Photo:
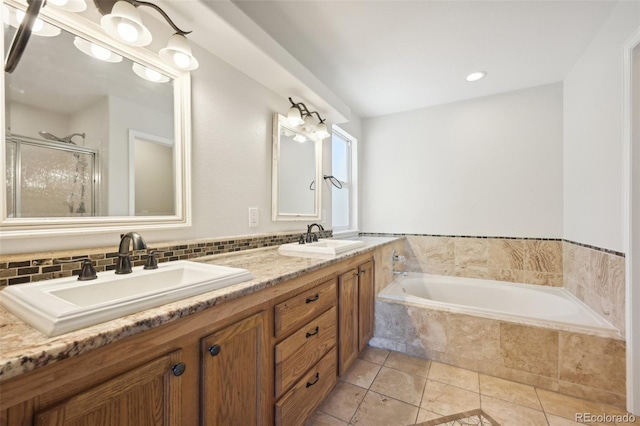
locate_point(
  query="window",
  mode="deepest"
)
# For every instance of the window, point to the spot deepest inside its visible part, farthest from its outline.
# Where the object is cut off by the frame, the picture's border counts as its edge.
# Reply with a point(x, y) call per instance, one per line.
point(344, 211)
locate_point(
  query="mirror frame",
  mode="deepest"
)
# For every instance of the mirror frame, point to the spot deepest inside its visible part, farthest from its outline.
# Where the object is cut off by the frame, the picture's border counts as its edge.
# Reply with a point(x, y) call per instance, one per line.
point(38, 227)
point(280, 121)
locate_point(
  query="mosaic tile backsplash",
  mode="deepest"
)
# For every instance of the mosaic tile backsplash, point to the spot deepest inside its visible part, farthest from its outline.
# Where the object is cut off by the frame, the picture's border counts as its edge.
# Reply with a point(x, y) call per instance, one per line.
point(32, 267)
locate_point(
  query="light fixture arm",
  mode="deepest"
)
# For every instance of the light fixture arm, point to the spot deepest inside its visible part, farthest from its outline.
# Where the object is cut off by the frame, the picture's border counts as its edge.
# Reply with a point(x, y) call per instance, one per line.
point(137, 3)
point(304, 111)
point(105, 6)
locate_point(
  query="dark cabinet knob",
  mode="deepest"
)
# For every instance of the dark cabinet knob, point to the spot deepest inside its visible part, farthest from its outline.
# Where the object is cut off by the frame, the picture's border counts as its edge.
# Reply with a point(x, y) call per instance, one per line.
point(178, 369)
point(214, 350)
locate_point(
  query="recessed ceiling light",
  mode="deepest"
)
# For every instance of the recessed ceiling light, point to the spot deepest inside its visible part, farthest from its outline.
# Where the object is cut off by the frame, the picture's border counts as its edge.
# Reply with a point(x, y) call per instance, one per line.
point(475, 76)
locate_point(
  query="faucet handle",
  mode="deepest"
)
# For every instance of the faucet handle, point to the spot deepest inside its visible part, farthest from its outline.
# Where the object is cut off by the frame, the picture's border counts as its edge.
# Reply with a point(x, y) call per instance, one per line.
point(152, 262)
point(88, 272)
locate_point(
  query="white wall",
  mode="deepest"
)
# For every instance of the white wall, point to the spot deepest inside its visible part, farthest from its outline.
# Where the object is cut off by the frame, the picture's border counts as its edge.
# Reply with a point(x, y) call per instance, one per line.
point(593, 135)
point(26, 120)
point(489, 166)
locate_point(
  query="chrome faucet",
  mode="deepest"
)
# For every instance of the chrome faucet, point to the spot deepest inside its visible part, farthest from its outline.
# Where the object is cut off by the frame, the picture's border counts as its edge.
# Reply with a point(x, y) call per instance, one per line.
point(124, 262)
point(311, 237)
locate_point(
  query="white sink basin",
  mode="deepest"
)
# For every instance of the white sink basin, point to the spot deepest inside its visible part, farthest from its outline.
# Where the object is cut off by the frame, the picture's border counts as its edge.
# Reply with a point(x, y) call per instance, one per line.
point(58, 306)
point(323, 249)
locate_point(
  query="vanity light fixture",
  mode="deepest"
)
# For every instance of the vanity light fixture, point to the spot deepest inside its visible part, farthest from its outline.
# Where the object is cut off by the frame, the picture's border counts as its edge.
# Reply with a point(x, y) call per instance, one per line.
point(69, 5)
point(299, 138)
point(95, 50)
point(299, 115)
point(122, 21)
point(475, 76)
point(149, 73)
point(14, 17)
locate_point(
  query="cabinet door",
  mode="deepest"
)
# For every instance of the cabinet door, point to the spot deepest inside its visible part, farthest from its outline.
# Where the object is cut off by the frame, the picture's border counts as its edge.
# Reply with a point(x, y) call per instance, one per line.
point(234, 361)
point(347, 319)
point(146, 395)
point(366, 294)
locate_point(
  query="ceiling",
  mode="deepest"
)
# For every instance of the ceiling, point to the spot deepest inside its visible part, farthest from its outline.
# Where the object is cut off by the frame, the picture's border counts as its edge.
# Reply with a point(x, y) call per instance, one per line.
point(383, 57)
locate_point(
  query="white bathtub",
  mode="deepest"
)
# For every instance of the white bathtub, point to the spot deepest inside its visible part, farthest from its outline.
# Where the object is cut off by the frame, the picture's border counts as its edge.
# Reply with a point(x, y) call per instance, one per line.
point(549, 307)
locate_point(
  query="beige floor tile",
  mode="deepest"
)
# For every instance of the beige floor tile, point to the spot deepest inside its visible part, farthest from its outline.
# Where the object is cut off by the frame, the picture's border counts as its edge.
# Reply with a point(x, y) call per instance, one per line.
point(446, 399)
point(509, 391)
point(567, 406)
point(343, 401)
point(399, 385)
point(318, 418)
point(361, 373)
point(426, 415)
point(408, 364)
point(455, 376)
point(375, 355)
point(508, 414)
point(380, 410)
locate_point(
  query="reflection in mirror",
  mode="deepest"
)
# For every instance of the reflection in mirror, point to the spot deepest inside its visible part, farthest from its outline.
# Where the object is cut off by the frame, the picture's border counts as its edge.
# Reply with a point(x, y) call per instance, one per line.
point(296, 169)
point(70, 110)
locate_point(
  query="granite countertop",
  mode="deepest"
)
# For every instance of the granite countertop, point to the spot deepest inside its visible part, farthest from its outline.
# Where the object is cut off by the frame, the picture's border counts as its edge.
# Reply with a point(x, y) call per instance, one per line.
point(23, 348)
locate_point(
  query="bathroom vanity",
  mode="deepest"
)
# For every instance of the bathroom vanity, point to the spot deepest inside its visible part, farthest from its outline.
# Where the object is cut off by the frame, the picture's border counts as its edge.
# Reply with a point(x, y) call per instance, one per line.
point(266, 352)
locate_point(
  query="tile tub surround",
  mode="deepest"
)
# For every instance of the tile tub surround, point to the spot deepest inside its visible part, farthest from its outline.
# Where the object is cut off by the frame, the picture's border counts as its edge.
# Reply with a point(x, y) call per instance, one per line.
point(23, 348)
point(531, 261)
point(32, 267)
point(597, 278)
point(570, 363)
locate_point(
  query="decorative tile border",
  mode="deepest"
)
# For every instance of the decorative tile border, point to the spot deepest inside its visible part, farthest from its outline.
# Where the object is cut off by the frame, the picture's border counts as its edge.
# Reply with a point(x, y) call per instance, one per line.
point(32, 267)
point(468, 418)
point(391, 234)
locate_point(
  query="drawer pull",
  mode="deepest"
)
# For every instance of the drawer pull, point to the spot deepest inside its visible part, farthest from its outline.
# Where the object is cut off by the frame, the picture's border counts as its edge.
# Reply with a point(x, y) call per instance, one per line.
point(178, 369)
point(314, 333)
point(214, 350)
point(312, 299)
point(315, 380)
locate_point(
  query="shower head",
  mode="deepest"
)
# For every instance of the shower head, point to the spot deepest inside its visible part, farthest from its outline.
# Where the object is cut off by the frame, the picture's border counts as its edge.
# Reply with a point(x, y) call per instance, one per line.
point(66, 139)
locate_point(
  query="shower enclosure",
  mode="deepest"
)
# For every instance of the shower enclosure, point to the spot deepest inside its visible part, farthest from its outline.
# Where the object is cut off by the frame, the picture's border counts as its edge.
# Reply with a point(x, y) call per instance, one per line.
point(50, 179)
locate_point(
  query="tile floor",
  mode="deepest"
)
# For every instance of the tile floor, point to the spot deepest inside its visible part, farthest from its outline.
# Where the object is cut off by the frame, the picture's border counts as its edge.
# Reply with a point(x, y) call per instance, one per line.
point(392, 389)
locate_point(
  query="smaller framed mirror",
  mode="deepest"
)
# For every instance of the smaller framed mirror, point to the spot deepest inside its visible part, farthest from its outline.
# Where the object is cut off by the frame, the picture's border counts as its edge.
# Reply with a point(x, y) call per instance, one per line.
point(296, 173)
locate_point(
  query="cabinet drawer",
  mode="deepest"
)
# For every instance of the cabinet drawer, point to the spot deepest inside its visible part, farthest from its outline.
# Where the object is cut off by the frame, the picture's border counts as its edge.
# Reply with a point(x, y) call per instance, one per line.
point(300, 309)
point(296, 405)
point(300, 351)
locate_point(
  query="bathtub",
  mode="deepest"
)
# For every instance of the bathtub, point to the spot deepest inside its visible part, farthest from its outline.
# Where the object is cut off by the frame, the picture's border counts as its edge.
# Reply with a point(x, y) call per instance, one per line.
point(543, 306)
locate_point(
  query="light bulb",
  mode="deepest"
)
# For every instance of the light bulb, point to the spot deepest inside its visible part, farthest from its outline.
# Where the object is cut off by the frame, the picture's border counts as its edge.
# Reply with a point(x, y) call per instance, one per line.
point(59, 2)
point(99, 52)
point(181, 59)
point(128, 32)
point(299, 138)
point(37, 25)
point(152, 75)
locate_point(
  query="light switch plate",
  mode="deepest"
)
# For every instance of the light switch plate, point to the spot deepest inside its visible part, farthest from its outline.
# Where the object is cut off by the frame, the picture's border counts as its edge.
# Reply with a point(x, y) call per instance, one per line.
point(253, 217)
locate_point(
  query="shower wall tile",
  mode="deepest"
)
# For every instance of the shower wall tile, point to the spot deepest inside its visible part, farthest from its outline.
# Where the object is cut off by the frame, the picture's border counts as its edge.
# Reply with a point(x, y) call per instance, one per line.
point(543, 278)
point(383, 264)
point(511, 275)
point(506, 254)
point(471, 253)
point(543, 256)
point(597, 277)
point(434, 255)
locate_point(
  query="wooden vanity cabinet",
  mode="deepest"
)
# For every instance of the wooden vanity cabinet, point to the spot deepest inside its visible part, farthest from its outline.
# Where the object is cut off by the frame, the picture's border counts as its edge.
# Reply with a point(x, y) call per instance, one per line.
point(266, 358)
point(356, 301)
point(232, 374)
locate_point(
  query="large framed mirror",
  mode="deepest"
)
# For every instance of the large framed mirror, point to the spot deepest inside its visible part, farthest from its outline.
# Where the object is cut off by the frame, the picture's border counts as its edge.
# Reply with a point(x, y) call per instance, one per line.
point(296, 173)
point(81, 116)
